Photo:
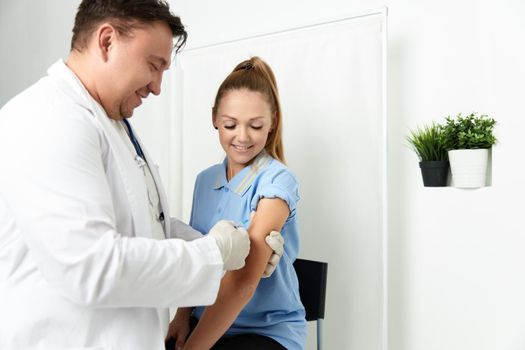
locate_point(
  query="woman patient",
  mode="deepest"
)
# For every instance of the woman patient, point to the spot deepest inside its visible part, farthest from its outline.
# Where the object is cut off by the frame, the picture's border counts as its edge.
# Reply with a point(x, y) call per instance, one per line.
point(250, 312)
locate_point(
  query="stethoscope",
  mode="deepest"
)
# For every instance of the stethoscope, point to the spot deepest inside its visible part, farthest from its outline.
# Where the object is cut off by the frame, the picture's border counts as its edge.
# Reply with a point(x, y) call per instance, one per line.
point(140, 162)
point(139, 157)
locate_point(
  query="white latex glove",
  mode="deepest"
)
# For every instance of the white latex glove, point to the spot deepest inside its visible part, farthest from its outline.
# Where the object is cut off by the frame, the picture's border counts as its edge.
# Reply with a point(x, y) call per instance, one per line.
point(276, 241)
point(233, 243)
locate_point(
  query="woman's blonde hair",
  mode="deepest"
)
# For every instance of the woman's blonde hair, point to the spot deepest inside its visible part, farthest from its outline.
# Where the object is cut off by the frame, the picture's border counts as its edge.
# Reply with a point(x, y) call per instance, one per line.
point(257, 76)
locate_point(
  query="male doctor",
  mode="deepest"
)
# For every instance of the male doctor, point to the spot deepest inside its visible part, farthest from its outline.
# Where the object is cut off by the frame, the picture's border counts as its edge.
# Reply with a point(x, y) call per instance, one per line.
point(84, 263)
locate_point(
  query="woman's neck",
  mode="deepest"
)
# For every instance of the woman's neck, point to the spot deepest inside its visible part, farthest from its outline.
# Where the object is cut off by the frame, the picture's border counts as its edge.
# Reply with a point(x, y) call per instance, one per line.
point(232, 171)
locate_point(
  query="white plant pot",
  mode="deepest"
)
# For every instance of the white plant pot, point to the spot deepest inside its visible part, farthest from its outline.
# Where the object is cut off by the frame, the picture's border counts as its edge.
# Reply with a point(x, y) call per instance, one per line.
point(468, 167)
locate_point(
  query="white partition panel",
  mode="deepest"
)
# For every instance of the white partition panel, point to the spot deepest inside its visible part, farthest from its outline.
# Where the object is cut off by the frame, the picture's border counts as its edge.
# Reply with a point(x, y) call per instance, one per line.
point(331, 83)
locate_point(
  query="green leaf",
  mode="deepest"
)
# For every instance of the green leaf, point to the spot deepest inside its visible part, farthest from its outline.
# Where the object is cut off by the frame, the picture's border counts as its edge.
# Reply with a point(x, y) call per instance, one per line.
point(468, 132)
point(427, 142)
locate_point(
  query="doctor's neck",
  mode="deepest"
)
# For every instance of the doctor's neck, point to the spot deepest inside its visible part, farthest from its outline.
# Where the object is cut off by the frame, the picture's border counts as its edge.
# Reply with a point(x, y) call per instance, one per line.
point(84, 68)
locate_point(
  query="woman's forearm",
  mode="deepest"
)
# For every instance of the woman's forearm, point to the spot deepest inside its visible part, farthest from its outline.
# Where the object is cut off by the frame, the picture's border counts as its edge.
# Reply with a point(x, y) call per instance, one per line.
point(217, 318)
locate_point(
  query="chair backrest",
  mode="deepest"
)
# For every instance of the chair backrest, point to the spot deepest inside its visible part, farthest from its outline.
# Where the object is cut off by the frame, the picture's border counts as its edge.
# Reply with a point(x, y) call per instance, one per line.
point(312, 286)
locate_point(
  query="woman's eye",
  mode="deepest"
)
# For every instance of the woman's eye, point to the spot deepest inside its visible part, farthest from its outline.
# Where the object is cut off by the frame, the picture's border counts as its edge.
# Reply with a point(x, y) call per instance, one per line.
point(257, 127)
point(229, 127)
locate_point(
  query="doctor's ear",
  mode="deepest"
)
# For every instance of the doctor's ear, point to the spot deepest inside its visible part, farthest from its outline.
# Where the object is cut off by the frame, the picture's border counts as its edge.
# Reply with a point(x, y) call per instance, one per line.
point(106, 35)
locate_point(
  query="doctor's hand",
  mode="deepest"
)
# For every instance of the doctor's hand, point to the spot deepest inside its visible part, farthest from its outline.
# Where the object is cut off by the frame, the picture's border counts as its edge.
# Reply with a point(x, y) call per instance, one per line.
point(233, 243)
point(275, 241)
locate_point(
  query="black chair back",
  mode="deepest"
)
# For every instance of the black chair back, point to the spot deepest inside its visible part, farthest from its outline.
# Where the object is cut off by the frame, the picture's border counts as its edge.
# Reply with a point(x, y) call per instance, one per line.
point(312, 286)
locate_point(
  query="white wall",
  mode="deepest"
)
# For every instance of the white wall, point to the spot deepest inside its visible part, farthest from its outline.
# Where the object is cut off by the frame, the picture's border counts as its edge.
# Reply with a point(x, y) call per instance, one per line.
point(456, 256)
point(33, 35)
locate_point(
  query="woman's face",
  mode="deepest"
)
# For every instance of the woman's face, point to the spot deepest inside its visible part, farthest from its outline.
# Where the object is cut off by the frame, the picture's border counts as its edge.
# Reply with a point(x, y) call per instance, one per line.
point(244, 119)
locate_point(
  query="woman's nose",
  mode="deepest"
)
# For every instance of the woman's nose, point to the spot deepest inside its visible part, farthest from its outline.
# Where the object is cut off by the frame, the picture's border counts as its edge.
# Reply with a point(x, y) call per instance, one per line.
point(243, 135)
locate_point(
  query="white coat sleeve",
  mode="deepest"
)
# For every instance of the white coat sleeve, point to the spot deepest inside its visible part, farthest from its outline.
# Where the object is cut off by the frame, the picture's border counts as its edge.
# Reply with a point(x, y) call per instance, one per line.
point(183, 231)
point(57, 190)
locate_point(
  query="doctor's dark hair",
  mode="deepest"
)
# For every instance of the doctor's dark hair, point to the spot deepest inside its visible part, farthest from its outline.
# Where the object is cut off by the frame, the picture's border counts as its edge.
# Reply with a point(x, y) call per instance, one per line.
point(257, 76)
point(124, 15)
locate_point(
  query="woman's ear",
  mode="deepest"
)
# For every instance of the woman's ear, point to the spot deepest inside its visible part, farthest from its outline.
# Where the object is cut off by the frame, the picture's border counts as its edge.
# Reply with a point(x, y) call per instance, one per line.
point(274, 122)
point(214, 121)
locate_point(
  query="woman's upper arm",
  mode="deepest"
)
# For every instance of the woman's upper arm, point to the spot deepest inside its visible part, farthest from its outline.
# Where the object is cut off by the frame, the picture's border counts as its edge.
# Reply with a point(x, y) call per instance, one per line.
point(270, 216)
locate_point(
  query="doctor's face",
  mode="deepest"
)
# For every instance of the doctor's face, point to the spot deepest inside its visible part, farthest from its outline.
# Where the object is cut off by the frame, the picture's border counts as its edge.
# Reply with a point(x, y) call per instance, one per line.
point(244, 119)
point(134, 68)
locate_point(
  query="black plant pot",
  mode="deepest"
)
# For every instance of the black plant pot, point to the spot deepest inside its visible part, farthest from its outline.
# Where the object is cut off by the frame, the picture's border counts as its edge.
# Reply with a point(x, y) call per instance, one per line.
point(434, 173)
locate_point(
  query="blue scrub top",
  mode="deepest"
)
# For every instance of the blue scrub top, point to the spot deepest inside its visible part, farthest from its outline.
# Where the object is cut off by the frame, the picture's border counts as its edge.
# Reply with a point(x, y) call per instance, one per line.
point(275, 310)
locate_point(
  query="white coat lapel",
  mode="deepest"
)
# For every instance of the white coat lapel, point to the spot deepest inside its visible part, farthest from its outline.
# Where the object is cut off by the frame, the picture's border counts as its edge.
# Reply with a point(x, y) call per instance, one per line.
point(160, 188)
point(163, 313)
point(132, 177)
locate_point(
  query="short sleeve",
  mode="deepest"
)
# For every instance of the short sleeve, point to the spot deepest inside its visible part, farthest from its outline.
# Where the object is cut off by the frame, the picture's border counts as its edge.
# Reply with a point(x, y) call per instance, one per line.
point(281, 184)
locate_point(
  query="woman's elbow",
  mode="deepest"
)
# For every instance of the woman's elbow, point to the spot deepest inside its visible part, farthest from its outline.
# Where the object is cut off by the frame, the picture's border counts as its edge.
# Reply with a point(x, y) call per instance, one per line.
point(246, 288)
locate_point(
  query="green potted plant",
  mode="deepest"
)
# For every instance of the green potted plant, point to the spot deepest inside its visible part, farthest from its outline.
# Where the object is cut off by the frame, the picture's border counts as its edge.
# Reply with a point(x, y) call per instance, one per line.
point(427, 142)
point(468, 140)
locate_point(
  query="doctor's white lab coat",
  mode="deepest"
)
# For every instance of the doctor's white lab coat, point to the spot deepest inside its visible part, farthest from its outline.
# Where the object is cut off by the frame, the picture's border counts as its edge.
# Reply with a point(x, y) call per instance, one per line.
point(78, 266)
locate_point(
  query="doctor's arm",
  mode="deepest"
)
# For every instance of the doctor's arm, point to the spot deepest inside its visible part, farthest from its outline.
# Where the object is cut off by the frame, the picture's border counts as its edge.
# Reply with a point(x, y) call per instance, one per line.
point(238, 287)
point(60, 197)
